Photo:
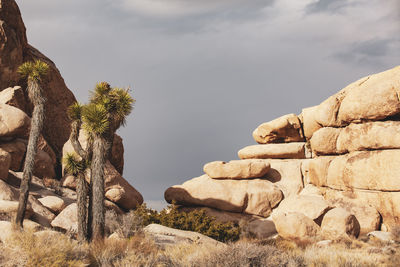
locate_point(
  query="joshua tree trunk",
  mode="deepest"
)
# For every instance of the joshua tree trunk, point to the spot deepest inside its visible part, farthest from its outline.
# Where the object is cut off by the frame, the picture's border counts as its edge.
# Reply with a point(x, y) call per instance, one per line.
point(36, 128)
point(100, 148)
point(81, 190)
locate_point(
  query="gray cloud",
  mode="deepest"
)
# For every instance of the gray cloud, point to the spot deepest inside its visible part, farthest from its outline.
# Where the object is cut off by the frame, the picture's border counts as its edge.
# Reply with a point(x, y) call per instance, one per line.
point(327, 6)
point(205, 76)
point(367, 52)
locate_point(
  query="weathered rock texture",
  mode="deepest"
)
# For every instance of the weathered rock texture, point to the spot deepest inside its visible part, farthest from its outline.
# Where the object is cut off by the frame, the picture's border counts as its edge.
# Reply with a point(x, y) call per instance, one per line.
point(15, 50)
point(49, 203)
point(348, 185)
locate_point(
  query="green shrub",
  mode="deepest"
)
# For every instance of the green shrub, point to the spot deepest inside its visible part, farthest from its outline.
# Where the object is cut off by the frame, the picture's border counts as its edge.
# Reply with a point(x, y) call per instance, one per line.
point(197, 221)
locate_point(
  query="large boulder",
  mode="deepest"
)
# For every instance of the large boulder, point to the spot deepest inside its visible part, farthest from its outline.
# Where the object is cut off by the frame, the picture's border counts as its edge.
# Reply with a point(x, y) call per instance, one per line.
point(314, 207)
point(274, 151)
point(367, 170)
point(13, 122)
point(53, 203)
point(286, 175)
point(237, 169)
point(367, 216)
point(386, 203)
point(67, 219)
point(376, 135)
point(8, 192)
point(43, 167)
point(165, 236)
point(256, 196)
point(5, 162)
point(10, 208)
point(374, 97)
point(296, 226)
point(126, 196)
point(338, 223)
point(310, 124)
point(281, 130)
point(13, 96)
point(15, 50)
point(17, 150)
point(7, 229)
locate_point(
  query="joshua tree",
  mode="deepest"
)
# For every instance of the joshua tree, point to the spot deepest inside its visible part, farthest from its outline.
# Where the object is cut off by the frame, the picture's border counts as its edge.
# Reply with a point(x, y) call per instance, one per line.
point(34, 72)
point(77, 165)
point(105, 113)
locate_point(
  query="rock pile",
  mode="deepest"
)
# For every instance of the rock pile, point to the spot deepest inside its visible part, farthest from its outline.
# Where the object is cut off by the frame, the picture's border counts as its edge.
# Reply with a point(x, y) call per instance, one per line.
point(50, 204)
point(332, 171)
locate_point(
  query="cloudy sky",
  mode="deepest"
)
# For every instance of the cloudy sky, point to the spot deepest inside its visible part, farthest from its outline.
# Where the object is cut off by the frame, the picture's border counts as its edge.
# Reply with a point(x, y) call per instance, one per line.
point(205, 73)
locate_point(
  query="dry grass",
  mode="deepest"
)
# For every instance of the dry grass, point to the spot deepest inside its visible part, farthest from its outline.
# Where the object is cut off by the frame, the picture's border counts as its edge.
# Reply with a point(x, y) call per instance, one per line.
point(47, 250)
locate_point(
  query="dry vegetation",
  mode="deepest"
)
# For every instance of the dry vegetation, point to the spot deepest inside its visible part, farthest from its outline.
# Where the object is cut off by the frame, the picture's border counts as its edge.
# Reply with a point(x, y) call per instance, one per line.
point(52, 249)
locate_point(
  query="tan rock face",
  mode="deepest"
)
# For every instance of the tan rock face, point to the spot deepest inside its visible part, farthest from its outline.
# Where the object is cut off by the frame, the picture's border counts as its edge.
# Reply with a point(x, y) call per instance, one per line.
point(373, 99)
point(357, 137)
point(13, 96)
point(163, 235)
point(237, 169)
point(339, 223)
point(256, 196)
point(67, 219)
point(295, 226)
point(5, 162)
point(310, 124)
point(281, 130)
point(43, 167)
point(370, 98)
point(17, 149)
point(128, 197)
point(386, 203)
point(14, 50)
point(13, 122)
point(10, 208)
point(7, 192)
point(324, 141)
point(368, 170)
point(53, 203)
point(314, 207)
point(13, 41)
point(274, 151)
point(286, 175)
point(367, 216)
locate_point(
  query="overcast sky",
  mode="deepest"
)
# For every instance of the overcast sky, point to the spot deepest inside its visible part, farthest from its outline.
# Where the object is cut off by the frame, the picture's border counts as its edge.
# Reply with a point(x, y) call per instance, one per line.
point(205, 73)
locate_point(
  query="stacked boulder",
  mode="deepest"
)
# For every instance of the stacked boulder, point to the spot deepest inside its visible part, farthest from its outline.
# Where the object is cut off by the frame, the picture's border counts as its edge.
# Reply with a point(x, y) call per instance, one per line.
point(50, 203)
point(331, 172)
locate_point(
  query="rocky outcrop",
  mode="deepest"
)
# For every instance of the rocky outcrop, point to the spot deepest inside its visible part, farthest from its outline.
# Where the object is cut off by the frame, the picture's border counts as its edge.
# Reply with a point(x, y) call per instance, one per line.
point(256, 196)
point(165, 236)
point(282, 130)
point(49, 204)
point(237, 169)
point(337, 164)
point(338, 223)
point(274, 151)
point(15, 50)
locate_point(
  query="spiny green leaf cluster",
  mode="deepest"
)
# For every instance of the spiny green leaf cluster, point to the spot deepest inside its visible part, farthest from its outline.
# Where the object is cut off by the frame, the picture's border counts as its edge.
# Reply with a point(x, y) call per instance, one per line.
point(74, 164)
point(33, 70)
point(196, 220)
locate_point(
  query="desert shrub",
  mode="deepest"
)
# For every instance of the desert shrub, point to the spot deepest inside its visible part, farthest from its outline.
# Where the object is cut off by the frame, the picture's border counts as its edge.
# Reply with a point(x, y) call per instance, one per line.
point(395, 231)
point(48, 250)
point(196, 220)
point(247, 254)
point(125, 225)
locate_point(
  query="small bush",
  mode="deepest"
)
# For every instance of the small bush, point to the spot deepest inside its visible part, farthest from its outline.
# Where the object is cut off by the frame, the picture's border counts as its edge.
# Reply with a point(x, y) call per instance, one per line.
point(197, 221)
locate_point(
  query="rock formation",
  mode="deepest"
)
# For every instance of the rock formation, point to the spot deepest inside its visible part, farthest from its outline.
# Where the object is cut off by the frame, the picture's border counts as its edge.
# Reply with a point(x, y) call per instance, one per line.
point(49, 204)
point(337, 165)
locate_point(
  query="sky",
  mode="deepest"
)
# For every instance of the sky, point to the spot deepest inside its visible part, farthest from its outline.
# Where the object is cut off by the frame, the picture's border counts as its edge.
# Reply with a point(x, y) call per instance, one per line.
point(206, 73)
